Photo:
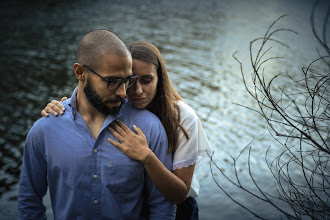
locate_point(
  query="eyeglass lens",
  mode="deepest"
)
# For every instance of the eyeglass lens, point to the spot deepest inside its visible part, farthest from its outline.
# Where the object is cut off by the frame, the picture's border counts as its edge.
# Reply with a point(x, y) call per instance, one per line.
point(115, 84)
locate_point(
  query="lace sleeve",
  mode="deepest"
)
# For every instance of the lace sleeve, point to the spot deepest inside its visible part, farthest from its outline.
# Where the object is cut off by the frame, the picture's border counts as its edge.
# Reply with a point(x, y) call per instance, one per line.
point(190, 150)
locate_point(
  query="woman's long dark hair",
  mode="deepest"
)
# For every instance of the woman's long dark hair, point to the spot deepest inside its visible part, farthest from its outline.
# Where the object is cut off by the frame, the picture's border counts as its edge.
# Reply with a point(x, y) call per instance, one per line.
point(164, 105)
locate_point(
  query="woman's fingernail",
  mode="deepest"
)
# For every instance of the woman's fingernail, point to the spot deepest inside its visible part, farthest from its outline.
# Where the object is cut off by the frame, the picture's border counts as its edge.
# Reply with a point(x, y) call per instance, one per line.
point(134, 126)
point(47, 114)
point(63, 109)
point(61, 112)
point(56, 113)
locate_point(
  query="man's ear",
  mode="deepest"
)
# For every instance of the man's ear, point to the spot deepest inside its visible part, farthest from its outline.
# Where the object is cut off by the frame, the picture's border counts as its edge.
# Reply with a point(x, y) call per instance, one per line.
point(79, 71)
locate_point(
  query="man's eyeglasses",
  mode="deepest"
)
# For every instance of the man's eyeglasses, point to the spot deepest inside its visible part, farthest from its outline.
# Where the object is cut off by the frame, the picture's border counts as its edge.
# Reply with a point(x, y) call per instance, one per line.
point(114, 84)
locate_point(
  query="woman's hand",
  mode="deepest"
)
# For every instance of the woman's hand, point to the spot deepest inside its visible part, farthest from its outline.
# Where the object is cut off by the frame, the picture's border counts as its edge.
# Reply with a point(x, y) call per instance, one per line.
point(174, 186)
point(133, 145)
point(54, 107)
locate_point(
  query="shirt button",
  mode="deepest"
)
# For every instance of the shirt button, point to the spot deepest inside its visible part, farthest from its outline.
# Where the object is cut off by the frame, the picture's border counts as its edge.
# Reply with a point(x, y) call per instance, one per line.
point(95, 150)
point(96, 202)
point(95, 176)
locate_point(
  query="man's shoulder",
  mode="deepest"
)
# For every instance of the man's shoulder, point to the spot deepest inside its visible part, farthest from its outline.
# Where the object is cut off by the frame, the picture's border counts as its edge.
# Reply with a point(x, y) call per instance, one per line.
point(141, 114)
point(51, 121)
point(147, 121)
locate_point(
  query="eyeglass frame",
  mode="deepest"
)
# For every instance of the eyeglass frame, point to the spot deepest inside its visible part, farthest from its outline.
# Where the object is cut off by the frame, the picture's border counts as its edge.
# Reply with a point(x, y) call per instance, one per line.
point(121, 81)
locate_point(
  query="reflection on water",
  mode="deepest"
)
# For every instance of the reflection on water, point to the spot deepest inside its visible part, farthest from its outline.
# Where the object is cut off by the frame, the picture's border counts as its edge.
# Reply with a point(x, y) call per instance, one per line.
point(197, 40)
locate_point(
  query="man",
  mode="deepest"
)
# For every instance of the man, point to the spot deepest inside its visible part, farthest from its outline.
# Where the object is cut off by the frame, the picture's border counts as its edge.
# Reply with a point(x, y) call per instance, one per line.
point(87, 177)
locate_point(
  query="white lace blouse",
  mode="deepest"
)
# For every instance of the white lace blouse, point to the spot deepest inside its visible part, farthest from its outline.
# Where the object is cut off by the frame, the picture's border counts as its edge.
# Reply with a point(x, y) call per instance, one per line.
point(188, 151)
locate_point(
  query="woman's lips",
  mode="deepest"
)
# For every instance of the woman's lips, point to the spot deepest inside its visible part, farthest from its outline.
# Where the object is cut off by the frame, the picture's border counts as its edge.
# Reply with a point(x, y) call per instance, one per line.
point(139, 100)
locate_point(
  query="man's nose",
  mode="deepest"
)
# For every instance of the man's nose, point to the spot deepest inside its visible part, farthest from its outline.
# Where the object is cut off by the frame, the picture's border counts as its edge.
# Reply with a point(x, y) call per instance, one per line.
point(121, 90)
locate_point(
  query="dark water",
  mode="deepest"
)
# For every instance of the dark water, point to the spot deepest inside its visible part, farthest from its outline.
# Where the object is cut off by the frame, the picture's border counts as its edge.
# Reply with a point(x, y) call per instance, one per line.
point(197, 40)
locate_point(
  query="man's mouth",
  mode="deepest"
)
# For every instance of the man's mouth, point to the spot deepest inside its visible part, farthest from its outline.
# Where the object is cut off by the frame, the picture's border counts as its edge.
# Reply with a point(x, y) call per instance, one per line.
point(116, 102)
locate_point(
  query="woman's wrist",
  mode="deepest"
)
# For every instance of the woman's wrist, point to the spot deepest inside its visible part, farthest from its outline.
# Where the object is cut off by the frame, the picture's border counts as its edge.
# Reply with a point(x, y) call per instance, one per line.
point(146, 157)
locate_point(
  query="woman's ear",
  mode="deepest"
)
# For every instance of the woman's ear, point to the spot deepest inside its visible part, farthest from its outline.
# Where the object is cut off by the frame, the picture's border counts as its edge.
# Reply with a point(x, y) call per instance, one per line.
point(79, 71)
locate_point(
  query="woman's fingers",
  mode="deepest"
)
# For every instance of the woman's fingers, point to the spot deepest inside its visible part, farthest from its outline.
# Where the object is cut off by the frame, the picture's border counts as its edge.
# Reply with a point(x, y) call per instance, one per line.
point(138, 131)
point(54, 107)
point(117, 135)
point(44, 113)
point(63, 99)
point(57, 106)
point(123, 126)
point(116, 127)
point(49, 109)
point(114, 143)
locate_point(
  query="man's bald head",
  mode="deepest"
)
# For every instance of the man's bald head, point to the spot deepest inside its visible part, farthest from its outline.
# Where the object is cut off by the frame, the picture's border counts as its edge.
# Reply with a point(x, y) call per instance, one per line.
point(97, 43)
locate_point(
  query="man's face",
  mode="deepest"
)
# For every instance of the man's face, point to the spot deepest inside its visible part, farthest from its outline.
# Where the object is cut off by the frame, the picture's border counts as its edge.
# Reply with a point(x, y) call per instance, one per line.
point(96, 100)
point(96, 89)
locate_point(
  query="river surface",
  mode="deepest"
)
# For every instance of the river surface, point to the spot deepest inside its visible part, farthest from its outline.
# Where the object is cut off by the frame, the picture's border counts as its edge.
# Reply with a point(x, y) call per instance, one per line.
point(197, 39)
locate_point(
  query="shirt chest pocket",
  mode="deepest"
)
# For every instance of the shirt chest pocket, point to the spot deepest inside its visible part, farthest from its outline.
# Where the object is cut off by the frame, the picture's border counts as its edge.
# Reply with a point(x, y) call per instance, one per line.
point(123, 177)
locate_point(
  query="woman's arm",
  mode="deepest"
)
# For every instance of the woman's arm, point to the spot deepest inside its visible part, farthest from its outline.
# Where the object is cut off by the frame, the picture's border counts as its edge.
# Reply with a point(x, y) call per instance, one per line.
point(174, 186)
point(54, 107)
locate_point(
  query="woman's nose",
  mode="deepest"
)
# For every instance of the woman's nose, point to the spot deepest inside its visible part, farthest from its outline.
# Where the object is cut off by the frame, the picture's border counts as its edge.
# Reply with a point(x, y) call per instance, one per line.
point(138, 88)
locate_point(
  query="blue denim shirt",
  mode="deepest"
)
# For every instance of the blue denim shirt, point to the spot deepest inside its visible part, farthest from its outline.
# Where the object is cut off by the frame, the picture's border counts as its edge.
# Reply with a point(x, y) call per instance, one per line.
point(88, 178)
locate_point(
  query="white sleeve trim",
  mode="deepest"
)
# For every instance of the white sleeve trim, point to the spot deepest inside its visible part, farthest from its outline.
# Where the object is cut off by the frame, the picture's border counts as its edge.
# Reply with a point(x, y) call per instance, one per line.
point(195, 160)
point(185, 163)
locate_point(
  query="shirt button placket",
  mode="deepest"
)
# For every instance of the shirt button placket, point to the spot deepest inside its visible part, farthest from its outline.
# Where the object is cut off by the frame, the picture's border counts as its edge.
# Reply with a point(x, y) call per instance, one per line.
point(95, 190)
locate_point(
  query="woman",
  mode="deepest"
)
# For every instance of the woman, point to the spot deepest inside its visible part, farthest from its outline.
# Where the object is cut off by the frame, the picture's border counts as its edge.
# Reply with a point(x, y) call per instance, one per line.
point(186, 137)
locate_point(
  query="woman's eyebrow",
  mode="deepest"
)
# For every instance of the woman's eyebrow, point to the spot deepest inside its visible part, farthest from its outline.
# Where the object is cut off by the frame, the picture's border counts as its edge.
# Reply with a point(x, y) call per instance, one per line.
point(146, 76)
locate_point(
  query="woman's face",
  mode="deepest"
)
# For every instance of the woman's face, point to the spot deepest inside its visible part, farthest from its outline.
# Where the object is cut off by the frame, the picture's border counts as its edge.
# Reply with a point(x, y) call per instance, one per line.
point(144, 90)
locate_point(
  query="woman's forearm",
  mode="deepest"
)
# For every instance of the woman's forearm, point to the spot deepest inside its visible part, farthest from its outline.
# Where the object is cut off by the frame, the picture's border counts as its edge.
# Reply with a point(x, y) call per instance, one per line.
point(170, 185)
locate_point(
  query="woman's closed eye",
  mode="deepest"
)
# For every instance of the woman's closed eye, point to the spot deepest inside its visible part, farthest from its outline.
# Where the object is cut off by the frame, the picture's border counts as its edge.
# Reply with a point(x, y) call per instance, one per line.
point(146, 80)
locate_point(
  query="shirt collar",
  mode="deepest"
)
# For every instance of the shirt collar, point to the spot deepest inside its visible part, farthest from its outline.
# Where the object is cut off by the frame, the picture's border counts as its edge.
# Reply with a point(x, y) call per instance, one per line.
point(73, 102)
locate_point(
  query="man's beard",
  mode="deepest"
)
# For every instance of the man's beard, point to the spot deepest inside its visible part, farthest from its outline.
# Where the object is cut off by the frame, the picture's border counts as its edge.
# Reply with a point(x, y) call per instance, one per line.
point(96, 101)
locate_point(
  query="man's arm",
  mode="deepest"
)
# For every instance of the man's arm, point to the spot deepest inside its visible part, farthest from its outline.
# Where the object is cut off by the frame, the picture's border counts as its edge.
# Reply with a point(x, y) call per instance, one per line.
point(33, 179)
point(158, 207)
